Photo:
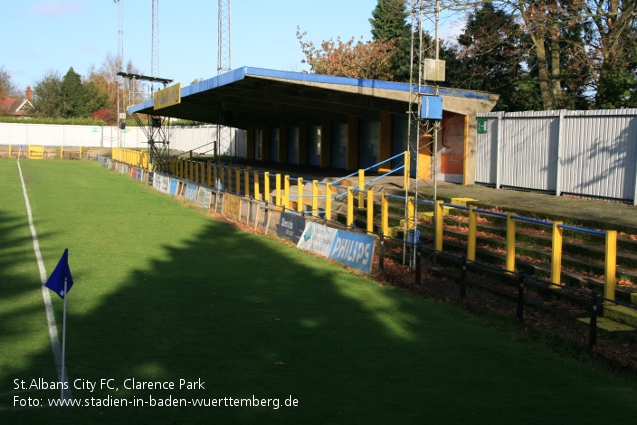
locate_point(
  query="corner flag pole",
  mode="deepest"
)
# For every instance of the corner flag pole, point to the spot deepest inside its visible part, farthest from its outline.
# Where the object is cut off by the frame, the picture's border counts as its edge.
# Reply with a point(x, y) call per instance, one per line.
point(63, 342)
point(61, 282)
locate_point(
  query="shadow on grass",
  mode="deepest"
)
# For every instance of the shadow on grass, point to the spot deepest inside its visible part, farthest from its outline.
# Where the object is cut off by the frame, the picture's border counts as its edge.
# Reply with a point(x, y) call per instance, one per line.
point(253, 318)
point(23, 331)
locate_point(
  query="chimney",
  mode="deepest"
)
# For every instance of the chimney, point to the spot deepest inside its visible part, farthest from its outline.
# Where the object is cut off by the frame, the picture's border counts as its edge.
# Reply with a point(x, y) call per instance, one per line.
point(29, 93)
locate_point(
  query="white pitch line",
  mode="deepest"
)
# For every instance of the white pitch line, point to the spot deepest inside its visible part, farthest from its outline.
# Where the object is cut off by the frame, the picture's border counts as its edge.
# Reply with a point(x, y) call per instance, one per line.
point(53, 330)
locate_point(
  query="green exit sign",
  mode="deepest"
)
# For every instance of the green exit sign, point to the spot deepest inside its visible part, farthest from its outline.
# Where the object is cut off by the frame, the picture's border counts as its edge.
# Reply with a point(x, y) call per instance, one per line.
point(482, 126)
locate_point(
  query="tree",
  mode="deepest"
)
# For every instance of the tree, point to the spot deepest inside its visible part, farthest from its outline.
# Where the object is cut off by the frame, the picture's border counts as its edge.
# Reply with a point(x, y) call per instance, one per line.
point(389, 24)
point(73, 95)
point(490, 52)
point(47, 95)
point(613, 51)
point(7, 86)
point(105, 78)
point(583, 52)
point(94, 100)
point(371, 60)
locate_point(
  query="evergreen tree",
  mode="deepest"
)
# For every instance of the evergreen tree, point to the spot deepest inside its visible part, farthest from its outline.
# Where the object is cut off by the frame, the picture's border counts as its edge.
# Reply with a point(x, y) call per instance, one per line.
point(73, 95)
point(389, 23)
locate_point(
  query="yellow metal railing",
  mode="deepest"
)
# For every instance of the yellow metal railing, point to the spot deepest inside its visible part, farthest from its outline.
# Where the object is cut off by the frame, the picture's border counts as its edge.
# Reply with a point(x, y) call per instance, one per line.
point(277, 189)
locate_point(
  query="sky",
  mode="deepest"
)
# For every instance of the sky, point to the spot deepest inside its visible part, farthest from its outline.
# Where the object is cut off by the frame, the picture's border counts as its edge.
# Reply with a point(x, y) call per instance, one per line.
point(55, 35)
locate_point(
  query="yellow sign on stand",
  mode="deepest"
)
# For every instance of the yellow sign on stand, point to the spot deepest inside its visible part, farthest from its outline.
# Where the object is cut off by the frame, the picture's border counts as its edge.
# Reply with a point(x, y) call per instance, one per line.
point(168, 97)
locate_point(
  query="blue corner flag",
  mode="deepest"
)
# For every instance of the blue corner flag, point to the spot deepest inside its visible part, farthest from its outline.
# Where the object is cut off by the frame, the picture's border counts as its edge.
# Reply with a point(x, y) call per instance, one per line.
point(56, 280)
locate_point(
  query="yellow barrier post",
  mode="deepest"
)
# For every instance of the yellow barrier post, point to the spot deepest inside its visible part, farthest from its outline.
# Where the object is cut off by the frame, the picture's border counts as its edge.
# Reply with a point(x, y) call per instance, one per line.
point(277, 189)
point(556, 253)
point(286, 191)
point(370, 211)
point(215, 174)
point(439, 224)
point(407, 169)
point(411, 210)
point(266, 187)
point(299, 193)
point(209, 167)
point(510, 254)
point(314, 198)
point(384, 215)
point(62, 152)
point(237, 181)
point(361, 188)
point(610, 264)
point(10, 151)
point(471, 241)
point(80, 153)
point(257, 190)
point(229, 174)
point(246, 183)
point(328, 201)
point(350, 206)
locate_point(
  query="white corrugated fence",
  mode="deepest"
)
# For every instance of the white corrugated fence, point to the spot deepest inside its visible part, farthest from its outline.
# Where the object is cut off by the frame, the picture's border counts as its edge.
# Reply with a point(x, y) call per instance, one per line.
point(581, 153)
point(197, 138)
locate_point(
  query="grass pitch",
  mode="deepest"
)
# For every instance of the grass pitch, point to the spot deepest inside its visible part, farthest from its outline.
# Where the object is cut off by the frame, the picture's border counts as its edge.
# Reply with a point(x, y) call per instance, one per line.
point(163, 293)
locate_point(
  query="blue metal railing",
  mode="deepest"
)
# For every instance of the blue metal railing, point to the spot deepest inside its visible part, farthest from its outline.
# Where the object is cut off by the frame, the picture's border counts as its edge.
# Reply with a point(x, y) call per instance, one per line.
point(357, 188)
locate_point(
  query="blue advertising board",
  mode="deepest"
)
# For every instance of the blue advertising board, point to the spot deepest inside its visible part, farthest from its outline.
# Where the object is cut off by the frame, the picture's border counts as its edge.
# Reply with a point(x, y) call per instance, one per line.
point(174, 184)
point(353, 249)
point(291, 226)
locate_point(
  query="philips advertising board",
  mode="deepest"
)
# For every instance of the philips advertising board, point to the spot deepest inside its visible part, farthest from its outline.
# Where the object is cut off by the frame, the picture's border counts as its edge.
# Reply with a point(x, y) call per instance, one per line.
point(353, 249)
point(316, 238)
point(291, 226)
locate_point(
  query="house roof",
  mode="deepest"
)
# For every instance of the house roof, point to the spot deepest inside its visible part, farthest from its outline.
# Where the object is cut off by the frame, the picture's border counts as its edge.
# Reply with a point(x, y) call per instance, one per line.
point(261, 97)
point(15, 107)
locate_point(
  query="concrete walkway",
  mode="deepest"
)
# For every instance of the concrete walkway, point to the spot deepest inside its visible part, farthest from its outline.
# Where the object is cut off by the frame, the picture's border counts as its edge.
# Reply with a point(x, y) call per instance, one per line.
point(612, 214)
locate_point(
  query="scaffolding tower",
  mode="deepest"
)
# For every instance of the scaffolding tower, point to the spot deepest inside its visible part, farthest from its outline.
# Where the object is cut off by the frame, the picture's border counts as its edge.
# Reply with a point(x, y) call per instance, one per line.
point(426, 69)
point(154, 130)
